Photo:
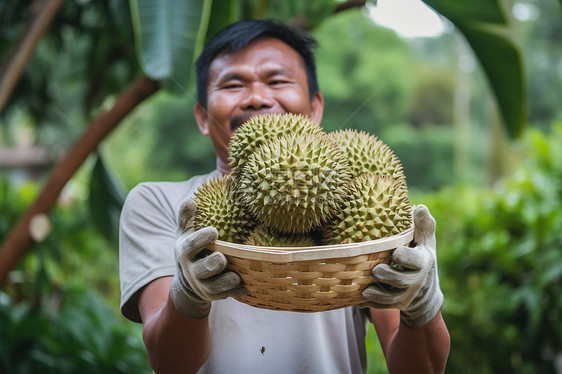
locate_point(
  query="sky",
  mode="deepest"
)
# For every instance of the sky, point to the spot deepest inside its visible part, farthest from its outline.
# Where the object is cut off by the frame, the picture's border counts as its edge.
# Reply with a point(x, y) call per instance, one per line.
point(409, 18)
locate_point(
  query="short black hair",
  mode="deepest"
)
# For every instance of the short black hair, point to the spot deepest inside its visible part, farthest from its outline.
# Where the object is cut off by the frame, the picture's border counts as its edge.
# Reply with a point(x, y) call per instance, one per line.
point(239, 35)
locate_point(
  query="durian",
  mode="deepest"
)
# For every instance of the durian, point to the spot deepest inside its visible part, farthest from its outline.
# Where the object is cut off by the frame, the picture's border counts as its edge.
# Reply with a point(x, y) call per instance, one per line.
point(379, 207)
point(367, 153)
point(259, 130)
point(263, 236)
point(295, 182)
point(218, 205)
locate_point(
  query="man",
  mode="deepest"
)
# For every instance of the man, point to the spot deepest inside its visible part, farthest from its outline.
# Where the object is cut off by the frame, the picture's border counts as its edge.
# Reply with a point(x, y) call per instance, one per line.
point(182, 297)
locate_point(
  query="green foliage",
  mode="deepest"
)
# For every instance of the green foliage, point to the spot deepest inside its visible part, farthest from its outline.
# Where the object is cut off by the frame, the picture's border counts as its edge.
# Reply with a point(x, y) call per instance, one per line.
point(93, 45)
point(83, 335)
point(74, 253)
point(308, 14)
point(106, 199)
point(376, 363)
point(168, 143)
point(54, 310)
point(364, 88)
point(166, 34)
point(485, 27)
point(433, 96)
point(542, 54)
point(426, 154)
point(501, 266)
point(85, 56)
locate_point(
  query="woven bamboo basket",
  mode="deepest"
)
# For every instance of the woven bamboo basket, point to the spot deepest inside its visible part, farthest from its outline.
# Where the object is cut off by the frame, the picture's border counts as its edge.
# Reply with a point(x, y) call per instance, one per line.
point(308, 279)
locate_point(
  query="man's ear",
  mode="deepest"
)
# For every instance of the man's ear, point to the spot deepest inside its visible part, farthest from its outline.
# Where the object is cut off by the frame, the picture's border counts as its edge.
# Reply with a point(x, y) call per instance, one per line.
point(317, 109)
point(200, 114)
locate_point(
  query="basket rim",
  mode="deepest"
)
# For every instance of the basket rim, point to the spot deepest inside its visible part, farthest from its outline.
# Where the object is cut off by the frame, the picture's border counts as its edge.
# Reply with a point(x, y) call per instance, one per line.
point(292, 254)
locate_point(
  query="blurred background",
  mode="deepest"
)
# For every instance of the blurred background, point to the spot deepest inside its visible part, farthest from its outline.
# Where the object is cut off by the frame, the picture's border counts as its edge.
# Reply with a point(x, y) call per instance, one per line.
point(393, 68)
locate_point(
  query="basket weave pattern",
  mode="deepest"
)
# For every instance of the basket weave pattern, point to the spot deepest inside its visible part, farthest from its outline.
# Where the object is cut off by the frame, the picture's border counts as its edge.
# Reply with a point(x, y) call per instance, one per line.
point(307, 286)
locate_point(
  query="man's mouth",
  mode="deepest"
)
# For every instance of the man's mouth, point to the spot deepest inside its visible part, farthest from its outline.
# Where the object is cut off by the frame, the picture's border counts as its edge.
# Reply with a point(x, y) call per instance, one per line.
point(236, 121)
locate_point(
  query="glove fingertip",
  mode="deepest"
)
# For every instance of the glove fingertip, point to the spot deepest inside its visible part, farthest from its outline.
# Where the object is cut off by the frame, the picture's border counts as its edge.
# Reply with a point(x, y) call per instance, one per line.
point(424, 224)
point(368, 291)
point(197, 241)
point(208, 235)
point(380, 269)
point(186, 213)
point(219, 260)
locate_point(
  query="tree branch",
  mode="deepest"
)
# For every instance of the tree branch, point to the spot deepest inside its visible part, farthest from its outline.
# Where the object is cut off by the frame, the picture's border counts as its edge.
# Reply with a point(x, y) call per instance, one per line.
point(19, 239)
point(24, 49)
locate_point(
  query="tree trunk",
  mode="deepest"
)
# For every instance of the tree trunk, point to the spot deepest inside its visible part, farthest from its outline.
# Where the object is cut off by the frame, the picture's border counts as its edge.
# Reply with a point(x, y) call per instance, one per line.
point(19, 239)
point(461, 116)
point(503, 153)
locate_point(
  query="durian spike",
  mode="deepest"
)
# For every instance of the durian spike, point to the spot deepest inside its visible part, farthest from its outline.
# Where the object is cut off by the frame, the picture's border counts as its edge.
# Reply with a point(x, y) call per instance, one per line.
point(296, 182)
point(367, 153)
point(379, 207)
point(260, 129)
point(218, 205)
point(264, 236)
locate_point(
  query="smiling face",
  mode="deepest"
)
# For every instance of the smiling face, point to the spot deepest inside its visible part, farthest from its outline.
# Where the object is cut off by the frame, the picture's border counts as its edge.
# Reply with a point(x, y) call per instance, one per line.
point(267, 76)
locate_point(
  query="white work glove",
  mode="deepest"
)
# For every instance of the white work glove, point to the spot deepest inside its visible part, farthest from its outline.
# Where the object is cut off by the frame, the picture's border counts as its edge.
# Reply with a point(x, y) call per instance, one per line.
point(201, 276)
point(410, 283)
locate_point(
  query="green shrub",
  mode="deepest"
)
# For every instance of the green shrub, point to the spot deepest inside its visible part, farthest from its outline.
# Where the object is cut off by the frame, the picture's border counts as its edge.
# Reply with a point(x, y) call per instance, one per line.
point(59, 307)
point(427, 154)
point(500, 262)
point(83, 335)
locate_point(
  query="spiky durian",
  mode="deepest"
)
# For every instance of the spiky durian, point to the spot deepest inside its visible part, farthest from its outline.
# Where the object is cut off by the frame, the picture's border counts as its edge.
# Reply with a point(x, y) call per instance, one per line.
point(259, 130)
point(264, 236)
point(218, 206)
point(379, 207)
point(367, 153)
point(295, 182)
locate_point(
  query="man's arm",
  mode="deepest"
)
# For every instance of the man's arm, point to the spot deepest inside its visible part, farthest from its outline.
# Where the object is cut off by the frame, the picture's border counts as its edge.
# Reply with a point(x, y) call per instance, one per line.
point(423, 350)
point(175, 343)
point(405, 302)
point(175, 310)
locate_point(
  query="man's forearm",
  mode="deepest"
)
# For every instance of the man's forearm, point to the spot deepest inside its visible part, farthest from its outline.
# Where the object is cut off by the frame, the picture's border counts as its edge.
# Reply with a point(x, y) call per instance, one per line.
point(174, 343)
point(423, 350)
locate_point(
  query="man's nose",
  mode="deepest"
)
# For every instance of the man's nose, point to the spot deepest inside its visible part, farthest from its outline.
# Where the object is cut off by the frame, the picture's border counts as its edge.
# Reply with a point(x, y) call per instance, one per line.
point(258, 97)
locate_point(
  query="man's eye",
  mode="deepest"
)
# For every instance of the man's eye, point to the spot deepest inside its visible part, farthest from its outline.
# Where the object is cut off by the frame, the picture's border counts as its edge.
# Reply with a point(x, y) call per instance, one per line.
point(276, 82)
point(231, 86)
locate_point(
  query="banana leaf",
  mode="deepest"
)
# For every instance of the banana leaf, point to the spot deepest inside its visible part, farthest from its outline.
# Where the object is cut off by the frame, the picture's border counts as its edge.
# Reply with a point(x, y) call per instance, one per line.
point(486, 28)
point(106, 200)
point(166, 35)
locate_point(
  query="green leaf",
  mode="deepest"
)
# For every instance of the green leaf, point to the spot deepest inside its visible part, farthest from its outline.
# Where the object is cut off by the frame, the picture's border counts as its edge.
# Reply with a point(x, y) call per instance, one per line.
point(106, 200)
point(502, 62)
point(485, 27)
point(489, 11)
point(166, 34)
point(223, 13)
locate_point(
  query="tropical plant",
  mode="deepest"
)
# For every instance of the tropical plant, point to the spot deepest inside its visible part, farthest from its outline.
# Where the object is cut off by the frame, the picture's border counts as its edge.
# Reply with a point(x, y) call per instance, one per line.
point(59, 312)
point(81, 335)
point(501, 266)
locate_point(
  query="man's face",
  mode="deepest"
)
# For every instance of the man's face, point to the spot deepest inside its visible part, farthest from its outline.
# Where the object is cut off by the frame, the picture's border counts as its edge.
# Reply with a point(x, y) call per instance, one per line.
point(267, 76)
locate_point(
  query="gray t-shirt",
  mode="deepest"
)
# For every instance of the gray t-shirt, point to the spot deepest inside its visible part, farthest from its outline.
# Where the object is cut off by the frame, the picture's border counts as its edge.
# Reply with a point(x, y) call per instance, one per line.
point(245, 339)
